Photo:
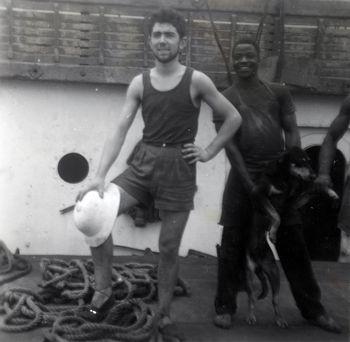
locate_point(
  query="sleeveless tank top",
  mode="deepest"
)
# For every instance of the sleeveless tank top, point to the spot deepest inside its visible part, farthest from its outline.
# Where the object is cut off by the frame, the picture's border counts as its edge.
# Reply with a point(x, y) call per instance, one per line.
point(169, 116)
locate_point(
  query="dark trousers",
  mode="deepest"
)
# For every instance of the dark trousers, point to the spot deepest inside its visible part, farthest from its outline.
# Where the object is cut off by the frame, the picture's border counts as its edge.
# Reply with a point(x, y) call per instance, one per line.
point(294, 259)
point(236, 218)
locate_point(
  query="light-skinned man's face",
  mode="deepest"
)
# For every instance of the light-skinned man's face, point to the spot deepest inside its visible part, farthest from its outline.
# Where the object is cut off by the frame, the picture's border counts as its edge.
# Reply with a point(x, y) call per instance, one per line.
point(245, 61)
point(165, 42)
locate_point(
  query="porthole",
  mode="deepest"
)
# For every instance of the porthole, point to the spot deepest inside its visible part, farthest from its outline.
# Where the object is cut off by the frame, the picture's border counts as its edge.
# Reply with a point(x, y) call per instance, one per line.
point(73, 168)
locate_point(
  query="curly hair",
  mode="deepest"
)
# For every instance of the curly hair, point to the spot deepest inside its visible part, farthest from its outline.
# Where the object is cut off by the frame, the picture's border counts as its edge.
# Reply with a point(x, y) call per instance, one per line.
point(247, 41)
point(169, 16)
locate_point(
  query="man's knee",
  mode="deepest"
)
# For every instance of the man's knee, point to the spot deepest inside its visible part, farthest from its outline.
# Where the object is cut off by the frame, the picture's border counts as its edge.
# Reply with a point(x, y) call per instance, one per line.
point(95, 216)
point(173, 225)
point(168, 248)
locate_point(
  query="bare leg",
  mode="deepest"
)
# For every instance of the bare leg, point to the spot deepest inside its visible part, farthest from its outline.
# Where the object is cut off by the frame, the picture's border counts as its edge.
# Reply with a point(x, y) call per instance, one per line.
point(173, 225)
point(102, 256)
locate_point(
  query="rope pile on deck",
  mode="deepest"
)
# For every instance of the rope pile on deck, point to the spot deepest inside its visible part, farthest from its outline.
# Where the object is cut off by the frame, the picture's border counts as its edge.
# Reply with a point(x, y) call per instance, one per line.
point(129, 320)
point(74, 281)
point(12, 266)
point(67, 285)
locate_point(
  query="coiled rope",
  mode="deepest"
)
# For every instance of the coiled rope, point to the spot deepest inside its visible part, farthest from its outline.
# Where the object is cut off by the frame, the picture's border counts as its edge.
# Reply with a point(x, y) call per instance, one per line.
point(68, 285)
point(73, 282)
point(127, 321)
point(12, 266)
point(25, 310)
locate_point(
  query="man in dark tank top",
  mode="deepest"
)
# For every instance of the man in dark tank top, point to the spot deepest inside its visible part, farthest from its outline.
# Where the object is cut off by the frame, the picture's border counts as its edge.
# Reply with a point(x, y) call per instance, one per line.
point(163, 165)
point(268, 128)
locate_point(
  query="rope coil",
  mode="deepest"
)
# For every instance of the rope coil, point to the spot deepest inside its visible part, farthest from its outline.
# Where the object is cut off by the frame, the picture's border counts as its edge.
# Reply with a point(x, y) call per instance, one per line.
point(12, 266)
point(68, 285)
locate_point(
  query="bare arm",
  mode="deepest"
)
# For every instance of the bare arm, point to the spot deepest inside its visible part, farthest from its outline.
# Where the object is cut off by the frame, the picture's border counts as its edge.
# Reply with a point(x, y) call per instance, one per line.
point(335, 133)
point(114, 143)
point(291, 132)
point(204, 89)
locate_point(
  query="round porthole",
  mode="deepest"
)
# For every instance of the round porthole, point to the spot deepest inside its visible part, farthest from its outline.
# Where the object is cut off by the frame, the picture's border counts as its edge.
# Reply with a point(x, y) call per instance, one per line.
point(73, 168)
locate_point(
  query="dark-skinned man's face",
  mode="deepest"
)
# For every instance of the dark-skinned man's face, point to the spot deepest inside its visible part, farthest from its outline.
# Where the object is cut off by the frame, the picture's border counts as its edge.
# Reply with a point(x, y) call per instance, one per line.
point(245, 61)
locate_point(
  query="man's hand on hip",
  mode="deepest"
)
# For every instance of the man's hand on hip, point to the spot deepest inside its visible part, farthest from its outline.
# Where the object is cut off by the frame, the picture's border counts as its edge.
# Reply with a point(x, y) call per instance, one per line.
point(193, 153)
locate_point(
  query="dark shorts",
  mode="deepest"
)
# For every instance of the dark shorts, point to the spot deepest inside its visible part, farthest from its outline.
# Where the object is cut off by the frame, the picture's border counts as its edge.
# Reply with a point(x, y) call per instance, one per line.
point(344, 213)
point(160, 174)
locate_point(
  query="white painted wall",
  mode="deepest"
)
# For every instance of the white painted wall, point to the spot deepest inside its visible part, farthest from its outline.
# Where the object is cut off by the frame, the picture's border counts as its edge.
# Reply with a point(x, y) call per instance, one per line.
point(314, 115)
point(42, 121)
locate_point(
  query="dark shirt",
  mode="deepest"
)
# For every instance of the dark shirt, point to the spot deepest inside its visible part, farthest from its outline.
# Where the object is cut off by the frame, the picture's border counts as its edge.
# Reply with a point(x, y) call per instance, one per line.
point(260, 137)
point(170, 116)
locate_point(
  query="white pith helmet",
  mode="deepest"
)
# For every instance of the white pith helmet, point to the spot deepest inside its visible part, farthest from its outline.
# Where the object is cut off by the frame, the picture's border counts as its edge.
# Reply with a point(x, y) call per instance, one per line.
point(94, 216)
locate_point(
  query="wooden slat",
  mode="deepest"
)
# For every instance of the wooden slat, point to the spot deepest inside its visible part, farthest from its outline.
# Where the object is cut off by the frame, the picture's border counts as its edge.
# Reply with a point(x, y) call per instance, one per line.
point(41, 41)
point(335, 72)
point(86, 43)
point(335, 64)
point(202, 43)
point(206, 26)
point(128, 54)
point(123, 28)
point(300, 46)
point(124, 37)
point(29, 31)
point(127, 63)
point(207, 60)
point(208, 34)
point(88, 27)
point(209, 67)
point(58, 72)
point(247, 28)
point(26, 57)
point(35, 49)
point(75, 18)
point(336, 56)
point(32, 15)
point(112, 33)
point(331, 8)
point(302, 38)
point(310, 7)
point(207, 50)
